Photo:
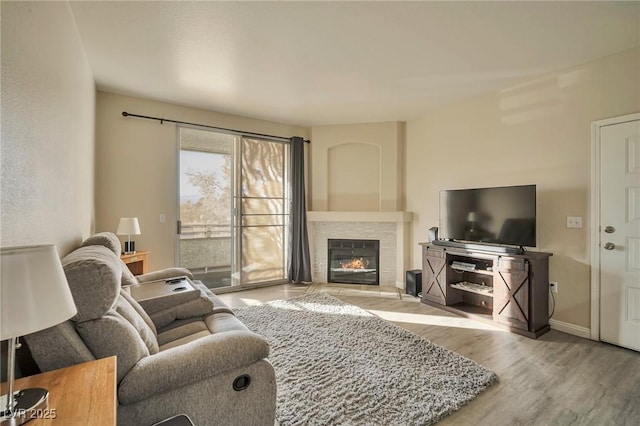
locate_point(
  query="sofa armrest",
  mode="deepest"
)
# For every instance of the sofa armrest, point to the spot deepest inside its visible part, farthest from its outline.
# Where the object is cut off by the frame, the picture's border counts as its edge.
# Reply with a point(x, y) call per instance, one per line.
point(164, 274)
point(191, 362)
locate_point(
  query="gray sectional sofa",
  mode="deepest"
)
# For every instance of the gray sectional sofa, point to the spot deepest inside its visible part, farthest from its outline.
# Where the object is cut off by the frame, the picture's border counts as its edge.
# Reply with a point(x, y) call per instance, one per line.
point(190, 357)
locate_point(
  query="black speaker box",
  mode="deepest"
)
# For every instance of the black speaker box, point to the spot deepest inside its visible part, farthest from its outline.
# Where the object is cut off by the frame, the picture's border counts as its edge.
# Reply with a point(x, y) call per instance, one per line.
point(414, 282)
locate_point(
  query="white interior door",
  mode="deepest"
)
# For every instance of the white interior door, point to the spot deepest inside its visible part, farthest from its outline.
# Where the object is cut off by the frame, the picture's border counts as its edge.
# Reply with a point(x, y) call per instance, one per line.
point(620, 234)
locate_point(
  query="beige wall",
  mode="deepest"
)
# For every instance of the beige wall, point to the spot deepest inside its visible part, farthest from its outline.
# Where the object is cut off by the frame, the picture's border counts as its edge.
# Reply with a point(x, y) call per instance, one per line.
point(353, 185)
point(48, 106)
point(136, 166)
point(537, 133)
point(357, 167)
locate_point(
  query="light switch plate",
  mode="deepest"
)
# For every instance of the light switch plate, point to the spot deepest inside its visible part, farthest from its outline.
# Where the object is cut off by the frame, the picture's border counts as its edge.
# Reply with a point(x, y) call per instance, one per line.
point(163, 217)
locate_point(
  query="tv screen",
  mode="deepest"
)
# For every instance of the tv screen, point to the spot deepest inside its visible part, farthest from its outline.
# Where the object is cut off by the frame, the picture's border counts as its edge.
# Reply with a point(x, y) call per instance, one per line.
point(501, 215)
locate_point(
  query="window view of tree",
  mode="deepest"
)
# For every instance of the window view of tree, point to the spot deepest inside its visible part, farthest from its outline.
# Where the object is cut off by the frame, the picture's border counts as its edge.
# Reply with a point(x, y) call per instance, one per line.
point(205, 194)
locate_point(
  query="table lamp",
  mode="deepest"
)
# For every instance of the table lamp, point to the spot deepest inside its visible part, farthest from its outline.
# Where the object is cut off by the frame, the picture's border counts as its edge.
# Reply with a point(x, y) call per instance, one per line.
point(35, 296)
point(129, 226)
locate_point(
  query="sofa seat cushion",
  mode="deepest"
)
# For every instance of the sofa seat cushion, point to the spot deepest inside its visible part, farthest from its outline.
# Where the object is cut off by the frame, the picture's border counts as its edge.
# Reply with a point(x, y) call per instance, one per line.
point(184, 340)
point(180, 330)
point(196, 308)
point(188, 330)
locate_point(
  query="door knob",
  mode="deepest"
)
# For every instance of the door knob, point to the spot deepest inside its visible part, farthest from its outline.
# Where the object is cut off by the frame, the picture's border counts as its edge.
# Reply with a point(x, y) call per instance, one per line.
point(609, 229)
point(609, 246)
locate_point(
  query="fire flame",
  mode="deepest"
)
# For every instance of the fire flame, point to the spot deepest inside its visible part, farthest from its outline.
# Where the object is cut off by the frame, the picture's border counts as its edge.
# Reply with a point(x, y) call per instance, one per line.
point(355, 264)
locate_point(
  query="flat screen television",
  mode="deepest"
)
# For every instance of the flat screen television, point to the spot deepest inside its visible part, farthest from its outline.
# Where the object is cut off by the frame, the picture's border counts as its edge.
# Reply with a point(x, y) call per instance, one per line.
point(500, 215)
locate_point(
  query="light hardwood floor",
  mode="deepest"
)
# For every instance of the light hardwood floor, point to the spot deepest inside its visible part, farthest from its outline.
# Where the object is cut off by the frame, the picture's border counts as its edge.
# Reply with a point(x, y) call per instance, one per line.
point(558, 379)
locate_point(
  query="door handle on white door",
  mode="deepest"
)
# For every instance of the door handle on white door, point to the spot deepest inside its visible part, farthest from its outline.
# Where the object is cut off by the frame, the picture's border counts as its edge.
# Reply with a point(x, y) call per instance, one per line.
point(609, 246)
point(609, 229)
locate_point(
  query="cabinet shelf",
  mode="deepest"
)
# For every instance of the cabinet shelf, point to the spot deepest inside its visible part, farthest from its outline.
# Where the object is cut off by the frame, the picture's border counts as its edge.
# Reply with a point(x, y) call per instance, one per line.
point(473, 271)
point(483, 290)
point(472, 311)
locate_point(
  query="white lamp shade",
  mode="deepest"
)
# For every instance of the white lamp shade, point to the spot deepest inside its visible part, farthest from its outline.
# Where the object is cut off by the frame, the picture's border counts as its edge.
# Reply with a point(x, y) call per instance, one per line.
point(35, 293)
point(472, 217)
point(128, 226)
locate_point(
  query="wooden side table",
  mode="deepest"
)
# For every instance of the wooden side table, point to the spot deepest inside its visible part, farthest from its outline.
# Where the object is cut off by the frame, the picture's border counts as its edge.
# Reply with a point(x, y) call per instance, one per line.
point(137, 262)
point(83, 394)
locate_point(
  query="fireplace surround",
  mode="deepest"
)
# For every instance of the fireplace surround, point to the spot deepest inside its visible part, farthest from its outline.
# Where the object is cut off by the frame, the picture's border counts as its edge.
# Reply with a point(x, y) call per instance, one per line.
point(353, 261)
point(390, 228)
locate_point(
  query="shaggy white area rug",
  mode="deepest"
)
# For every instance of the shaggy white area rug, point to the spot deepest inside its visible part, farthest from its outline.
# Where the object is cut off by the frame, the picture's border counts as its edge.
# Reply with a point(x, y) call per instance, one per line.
point(337, 364)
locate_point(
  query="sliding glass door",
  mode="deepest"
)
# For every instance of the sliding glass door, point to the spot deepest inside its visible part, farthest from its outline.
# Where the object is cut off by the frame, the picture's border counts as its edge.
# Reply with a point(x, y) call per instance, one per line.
point(233, 208)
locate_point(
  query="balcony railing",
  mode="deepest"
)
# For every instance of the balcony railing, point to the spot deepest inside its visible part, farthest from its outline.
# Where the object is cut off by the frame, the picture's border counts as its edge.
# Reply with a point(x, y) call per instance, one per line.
point(205, 230)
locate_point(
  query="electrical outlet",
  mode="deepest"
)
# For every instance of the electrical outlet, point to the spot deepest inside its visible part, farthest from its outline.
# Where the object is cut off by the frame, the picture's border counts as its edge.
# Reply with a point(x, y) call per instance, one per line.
point(574, 222)
point(553, 285)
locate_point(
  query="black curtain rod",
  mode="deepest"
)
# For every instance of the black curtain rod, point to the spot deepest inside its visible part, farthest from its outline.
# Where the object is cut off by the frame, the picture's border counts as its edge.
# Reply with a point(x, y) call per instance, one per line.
point(162, 120)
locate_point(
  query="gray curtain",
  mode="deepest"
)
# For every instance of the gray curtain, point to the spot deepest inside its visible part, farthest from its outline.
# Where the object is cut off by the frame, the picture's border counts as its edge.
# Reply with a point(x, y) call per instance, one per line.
point(300, 261)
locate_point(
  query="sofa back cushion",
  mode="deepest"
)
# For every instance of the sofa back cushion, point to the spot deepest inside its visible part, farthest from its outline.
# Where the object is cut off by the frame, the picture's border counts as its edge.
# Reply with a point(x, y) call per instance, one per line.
point(107, 323)
point(135, 305)
point(113, 335)
point(111, 241)
point(127, 276)
point(58, 347)
point(146, 333)
point(106, 239)
point(93, 273)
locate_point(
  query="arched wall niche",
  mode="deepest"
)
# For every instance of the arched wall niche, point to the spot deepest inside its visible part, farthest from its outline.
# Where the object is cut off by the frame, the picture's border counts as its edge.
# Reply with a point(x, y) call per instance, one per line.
point(346, 160)
point(354, 185)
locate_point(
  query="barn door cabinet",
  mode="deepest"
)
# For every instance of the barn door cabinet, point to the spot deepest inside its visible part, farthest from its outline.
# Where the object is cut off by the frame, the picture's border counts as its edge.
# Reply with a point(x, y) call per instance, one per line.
point(434, 284)
point(508, 290)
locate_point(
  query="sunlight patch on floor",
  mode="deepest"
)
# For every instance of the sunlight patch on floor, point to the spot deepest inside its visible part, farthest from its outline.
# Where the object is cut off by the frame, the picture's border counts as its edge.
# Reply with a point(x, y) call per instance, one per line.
point(250, 302)
point(458, 322)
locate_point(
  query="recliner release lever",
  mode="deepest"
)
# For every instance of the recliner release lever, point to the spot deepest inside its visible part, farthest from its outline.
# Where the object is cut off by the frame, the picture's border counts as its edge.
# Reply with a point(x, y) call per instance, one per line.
point(240, 383)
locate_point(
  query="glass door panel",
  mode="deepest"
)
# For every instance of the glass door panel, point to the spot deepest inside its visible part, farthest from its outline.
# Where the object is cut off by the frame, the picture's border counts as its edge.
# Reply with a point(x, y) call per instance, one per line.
point(264, 210)
point(205, 210)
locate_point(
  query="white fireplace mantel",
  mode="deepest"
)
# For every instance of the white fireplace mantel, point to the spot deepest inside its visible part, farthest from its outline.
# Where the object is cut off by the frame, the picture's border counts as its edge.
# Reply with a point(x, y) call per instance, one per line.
point(326, 216)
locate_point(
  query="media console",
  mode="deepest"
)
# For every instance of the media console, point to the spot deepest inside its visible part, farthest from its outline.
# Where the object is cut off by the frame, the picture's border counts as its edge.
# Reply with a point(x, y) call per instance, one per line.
point(506, 289)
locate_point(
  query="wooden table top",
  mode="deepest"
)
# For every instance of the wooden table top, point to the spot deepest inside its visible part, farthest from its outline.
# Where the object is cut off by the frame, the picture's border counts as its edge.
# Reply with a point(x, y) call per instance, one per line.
point(83, 394)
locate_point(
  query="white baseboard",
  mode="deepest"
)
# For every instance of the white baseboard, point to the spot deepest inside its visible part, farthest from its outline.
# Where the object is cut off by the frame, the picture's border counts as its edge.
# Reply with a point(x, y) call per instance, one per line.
point(569, 328)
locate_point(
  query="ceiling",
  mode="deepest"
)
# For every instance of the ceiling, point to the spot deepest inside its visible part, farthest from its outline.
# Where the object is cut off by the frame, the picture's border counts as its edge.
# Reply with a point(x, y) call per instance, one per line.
point(314, 63)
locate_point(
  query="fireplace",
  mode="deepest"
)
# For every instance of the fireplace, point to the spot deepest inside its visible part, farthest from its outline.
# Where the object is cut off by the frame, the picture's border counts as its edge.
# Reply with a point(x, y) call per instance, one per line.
point(353, 261)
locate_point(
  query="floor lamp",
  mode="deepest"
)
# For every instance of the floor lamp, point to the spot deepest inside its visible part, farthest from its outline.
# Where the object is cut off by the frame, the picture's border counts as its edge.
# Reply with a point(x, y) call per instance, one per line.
point(35, 296)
